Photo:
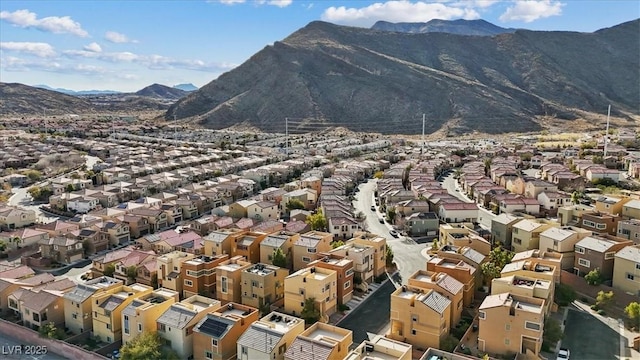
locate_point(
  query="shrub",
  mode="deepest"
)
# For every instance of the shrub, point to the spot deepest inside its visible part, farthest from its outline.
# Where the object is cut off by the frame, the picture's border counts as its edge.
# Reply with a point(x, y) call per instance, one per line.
point(565, 295)
point(601, 312)
point(584, 300)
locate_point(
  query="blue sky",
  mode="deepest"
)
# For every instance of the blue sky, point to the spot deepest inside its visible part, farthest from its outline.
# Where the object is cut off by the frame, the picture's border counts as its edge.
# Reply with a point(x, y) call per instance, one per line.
point(127, 45)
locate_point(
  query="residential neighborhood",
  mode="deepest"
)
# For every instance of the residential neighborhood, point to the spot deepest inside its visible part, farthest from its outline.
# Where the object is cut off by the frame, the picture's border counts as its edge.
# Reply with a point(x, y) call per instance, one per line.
point(230, 245)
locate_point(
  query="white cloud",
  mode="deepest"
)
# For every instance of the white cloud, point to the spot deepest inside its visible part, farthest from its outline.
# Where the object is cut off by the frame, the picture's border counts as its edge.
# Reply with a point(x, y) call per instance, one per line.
point(397, 11)
point(34, 48)
point(93, 47)
point(124, 56)
point(278, 3)
point(54, 24)
point(118, 38)
point(231, 2)
point(22, 65)
point(530, 10)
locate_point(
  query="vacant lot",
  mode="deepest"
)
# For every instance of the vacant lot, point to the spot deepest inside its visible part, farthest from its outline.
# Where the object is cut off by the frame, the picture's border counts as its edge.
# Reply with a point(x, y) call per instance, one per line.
point(588, 338)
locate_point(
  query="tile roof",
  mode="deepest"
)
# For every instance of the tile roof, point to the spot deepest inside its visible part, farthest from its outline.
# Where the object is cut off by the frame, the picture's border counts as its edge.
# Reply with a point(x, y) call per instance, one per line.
point(306, 349)
point(449, 283)
point(436, 302)
point(596, 243)
point(112, 303)
point(260, 338)
point(631, 253)
point(177, 316)
point(37, 301)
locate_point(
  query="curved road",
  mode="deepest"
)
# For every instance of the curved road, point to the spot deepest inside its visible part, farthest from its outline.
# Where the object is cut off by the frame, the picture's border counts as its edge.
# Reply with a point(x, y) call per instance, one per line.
point(406, 251)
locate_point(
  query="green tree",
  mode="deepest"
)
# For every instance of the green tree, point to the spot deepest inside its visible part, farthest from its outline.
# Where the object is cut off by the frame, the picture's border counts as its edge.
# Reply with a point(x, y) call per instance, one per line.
point(317, 221)
point(3, 246)
point(594, 277)
point(490, 271)
point(33, 175)
point(552, 332)
point(280, 259)
point(295, 203)
point(132, 273)
point(336, 244)
point(498, 258)
point(154, 281)
point(388, 256)
point(633, 313)
point(50, 331)
point(109, 270)
point(147, 345)
point(69, 188)
point(564, 295)
point(88, 247)
point(603, 299)
point(378, 174)
point(435, 245)
point(391, 215)
point(449, 343)
point(310, 313)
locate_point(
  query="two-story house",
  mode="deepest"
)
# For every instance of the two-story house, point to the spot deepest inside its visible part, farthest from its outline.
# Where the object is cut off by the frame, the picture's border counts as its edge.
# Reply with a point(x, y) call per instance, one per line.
point(526, 233)
point(311, 283)
point(107, 310)
point(562, 240)
point(78, 316)
point(262, 284)
point(270, 337)
point(141, 314)
point(309, 246)
point(345, 274)
point(229, 279)
point(626, 270)
point(596, 252)
point(198, 275)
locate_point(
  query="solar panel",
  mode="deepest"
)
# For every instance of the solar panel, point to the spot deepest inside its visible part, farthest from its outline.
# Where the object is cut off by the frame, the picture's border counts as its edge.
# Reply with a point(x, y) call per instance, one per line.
point(213, 327)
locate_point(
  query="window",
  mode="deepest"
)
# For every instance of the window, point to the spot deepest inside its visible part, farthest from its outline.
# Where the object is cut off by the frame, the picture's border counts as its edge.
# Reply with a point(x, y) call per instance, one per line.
point(109, 326)
point(482, 315)
point(162, 327)
point(507, 341)
point(579, 250)
point(208, 355)
point(630, 276)
point(188, 282)
point(347, 284)
point(517, 241)
point(588, 223)
point(139, 327)
point(413, 332)
point(214, 342)
point(601, 226)
point(350, 272)
point(224, 285)
point(95, 314)
point(637, 266)
point(507, 327)
point(414, 318)
point(306, 259)
point(126, 324)
point(531, 326)
point(74, 315)
point(254, 283)
point(609, 255)
point(584, 262)
point(243, 350)
point(311, 250)
point(282, 349)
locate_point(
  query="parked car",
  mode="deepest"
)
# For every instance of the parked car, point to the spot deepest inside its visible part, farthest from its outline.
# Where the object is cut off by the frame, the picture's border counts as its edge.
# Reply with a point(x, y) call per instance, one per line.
point(381, 220)
point(563, 354)
point(393, 233)
point(373, 208)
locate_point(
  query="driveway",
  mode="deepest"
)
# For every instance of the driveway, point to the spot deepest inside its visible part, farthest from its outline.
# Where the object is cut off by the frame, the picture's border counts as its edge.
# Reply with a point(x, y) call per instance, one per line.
point(405, 250)
point(372, 316)
point(589, 339)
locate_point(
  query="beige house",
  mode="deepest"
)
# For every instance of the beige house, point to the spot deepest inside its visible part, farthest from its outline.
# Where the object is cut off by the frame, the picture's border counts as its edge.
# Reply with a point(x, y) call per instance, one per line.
point(321, 342)
point(263, 210)
point(262, 284)
point(530, 268)
point(510, 323)
point(176, 324)
point(626, 270)
point(419, 317)
point(216, 335)
point(77, 302)
point(459, 270)
point(542, 257)
point(141, 314)
point(363, 260)
point(169, 267)
point(107, 310)
point(309, 247)
point(37, 308)
point(526, 233)
point(283, 241)
point(269, 338)
point(631, 210)
point(220, 241)
point(610, 204)
point(571, 214)
point(446, 285)
point(229, 279)
point(311, 283)
point(562, 240)
point(12, 218)
point(525, 286)
point(381, 347)
point(379, 243)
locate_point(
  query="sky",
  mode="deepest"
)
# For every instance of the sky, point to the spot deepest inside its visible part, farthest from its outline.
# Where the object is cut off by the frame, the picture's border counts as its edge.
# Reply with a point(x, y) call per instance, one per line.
point(125, 45)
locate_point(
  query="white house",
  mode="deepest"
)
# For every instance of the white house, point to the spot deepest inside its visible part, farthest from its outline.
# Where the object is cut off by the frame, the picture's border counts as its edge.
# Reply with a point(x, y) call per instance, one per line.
point(458, 212)
point(263, 210)
point(82, 205)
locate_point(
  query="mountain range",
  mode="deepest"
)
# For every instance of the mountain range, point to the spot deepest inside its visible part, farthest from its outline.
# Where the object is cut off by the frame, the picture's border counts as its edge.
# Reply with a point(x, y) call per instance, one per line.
point(383, 81)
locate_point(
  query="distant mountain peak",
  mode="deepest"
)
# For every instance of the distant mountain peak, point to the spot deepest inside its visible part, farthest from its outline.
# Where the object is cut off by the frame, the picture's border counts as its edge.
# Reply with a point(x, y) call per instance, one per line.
point(156, 90)
point(186, 87)
point(459, 27)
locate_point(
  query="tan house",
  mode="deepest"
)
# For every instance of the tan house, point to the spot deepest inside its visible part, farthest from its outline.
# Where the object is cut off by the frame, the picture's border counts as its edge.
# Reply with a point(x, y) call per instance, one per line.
point(176, 324)
point(37, 308)
point(311, 283)
point(262, 284)
point(463, 236)
point(420, 317)
point(542, 257)
point(379, 243)
point(77, 303)
point(631, 210)
point(629, 229)
point(216, 335)
point(263, 210)
point(446, 285)
point(322, 342)
point(363, 260)
point(220, 241)
point(198, 275)
point(141, 314)
point(611, 205)
point(626, 270)
point(459, 270)
point(247, 245)
point(596, 252)
point(62, 249)
point(571, 214)
point(562, 240)
point(107, 310)
point(283, 240)
point(13, 218)
point(344, 270)
point(381, 347)
point(269, 338)
point(510, 323)
point(308, 248)
point(502, 229)
point(530, 268)
point(229, 279)
point(169, 267)
point(526, 286)
point(526, 233)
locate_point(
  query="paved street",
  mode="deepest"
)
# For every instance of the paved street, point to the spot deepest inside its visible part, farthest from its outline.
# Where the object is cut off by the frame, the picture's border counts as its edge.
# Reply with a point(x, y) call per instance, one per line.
point(484, 216)
point(372, 316)
point(588, 338)
point(406, 251)
point(8, 345)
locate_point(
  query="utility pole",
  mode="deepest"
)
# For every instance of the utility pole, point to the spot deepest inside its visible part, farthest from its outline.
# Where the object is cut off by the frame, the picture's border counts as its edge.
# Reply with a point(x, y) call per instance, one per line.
point(606, 135)
point(286, 136)
point(422, 147)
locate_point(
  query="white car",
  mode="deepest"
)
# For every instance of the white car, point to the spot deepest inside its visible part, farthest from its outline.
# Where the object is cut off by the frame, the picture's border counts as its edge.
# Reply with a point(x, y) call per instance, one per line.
point(563, 354)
